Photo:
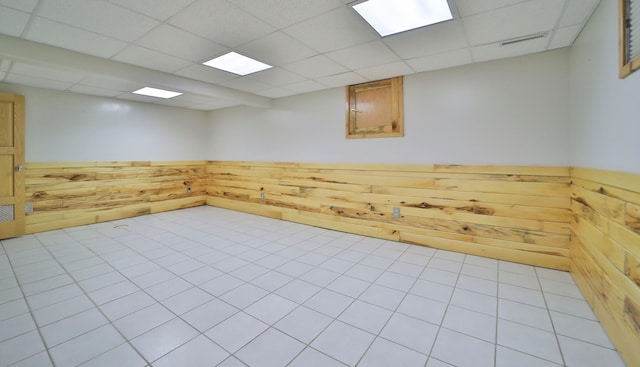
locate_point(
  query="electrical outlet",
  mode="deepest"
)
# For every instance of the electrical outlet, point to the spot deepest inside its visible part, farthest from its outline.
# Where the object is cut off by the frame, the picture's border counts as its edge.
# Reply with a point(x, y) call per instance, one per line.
point(396, 212)
point(262, 196)
point(188, 189)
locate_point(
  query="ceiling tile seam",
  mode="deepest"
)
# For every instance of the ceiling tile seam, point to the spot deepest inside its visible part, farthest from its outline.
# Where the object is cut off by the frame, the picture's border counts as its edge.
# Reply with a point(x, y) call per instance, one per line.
point(168, 23)
point(466, 29)
point(26, 34)
point(402, 59)
point(319, 52)
point(152, 50)
point(437, 54)
point(45, 78)
point(248, 98)
point(302, 20)
point(38, 7)
point(553, 30)
point(5, 68)
point(497, 8)
point(464, 33)
point(32, 16)
point(193, 4)
point(140, 13)
point(121, 51)
point(583, 23)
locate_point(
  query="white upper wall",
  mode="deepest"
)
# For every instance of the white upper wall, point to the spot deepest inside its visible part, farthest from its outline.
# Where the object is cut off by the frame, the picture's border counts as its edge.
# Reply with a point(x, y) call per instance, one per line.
point(67, 127)
point(506, 112)
point(604, 110)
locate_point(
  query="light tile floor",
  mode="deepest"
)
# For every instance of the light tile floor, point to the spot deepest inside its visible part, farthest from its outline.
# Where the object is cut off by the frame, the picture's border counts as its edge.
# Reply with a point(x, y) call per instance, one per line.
point(208, 286)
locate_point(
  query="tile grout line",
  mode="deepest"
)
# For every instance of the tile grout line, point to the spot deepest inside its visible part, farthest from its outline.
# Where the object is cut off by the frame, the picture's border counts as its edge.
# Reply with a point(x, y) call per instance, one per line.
point(44, 344)
point(96, 306)
point(235, 224)
point(553, 325)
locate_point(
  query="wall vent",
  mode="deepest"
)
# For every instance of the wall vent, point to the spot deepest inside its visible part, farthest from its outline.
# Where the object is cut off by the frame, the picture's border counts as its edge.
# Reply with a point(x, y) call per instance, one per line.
point(523, 39)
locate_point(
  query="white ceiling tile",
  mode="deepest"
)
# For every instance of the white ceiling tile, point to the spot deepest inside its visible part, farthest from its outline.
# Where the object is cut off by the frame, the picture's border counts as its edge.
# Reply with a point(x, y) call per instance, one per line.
point(342, 80)
point(334, 30)
point(470, 7)
point(178, 101)
point(385, 71)
point(202, 107)
point(140, 98)
point(214, 104)
point(84, 89)
point(177, 42)
point(5, 64)
point(428, 40)
point(98, 16)
point(276, 77)
point(221, 103)
point(276, 93)
point(495, 51)
point(513, 21)
point(173, 102)
point(246, 84)
point(24, 5)
point(440, 61)
point(577, 11)
point(276, 49)
point(159, 9)
point(306, 86)
point(315, 67)
point(205, 74)
point(312, 44)
point(364, 55)
point(221, 22)
point(283, 13)
point(12, 22)
point(151, 59)
point(195, 98)
point(564, 37)
point(110, 83)
point(36, 82)
point(39, 71)
point(71, 38)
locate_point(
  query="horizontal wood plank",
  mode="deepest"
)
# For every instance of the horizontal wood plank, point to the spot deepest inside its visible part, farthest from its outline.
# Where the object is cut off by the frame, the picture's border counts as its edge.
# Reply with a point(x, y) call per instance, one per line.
point(516, 209)
point(605, 252)
point(67, 194)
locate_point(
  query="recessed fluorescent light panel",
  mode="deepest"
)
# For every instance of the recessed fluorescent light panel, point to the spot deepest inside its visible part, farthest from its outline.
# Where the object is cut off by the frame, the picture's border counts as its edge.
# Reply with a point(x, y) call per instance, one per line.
point(159, 93)
point(237, 64)
point(392, 16)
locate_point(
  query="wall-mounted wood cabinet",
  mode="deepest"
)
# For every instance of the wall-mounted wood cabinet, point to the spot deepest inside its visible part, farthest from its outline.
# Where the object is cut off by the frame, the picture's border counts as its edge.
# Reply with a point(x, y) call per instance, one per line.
point(375, 109)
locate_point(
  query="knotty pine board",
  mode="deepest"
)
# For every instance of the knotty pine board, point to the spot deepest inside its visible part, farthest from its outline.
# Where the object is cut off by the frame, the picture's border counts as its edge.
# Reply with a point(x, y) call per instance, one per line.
point(74, 193)
point(518, 214)
point(605, 252)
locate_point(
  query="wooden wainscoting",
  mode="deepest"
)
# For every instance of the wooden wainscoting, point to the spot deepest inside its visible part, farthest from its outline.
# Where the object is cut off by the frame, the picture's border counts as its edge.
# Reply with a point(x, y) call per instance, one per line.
point(70, 194)
point(517, 214)
point(605, 252)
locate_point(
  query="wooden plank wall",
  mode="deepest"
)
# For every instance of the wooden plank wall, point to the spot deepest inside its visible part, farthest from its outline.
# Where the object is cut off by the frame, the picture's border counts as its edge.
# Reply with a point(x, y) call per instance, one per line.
point(75, 193)
point(584, 220)
point(518, 214)
point(605, 252)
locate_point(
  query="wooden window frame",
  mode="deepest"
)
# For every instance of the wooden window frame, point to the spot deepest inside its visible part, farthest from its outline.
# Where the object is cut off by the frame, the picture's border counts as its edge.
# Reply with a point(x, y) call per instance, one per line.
point(396, 125)
point(626, 66)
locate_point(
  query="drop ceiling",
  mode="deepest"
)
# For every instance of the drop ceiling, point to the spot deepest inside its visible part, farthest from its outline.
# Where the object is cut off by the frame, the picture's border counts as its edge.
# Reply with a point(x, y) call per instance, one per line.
point(113, 47)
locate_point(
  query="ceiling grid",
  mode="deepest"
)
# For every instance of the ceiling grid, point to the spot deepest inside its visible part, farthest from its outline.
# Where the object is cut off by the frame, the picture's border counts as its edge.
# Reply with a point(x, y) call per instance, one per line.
point(112, 47)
